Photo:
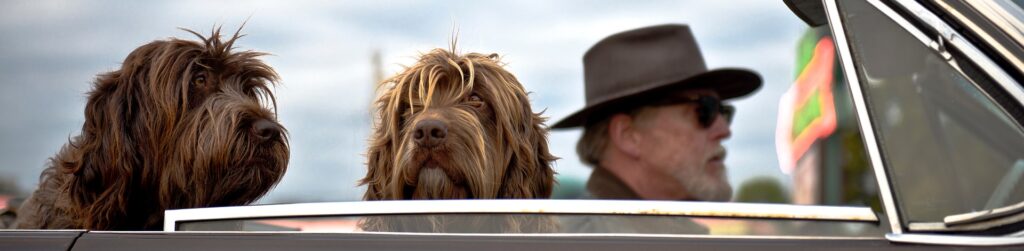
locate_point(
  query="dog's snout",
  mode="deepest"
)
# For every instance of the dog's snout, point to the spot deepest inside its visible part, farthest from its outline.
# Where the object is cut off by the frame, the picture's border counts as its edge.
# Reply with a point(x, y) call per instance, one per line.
point(264, 129)
point(430, 132)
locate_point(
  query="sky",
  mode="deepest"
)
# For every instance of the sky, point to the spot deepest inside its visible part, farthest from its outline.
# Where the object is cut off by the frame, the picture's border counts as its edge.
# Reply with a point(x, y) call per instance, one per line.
point(50, 51)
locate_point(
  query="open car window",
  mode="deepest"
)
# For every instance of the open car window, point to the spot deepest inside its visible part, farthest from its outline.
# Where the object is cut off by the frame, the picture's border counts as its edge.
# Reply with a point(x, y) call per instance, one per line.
point(342, 50)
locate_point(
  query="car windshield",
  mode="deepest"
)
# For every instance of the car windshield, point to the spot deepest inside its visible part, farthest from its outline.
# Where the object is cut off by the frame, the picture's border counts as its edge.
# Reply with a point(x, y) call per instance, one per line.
point(942, 137)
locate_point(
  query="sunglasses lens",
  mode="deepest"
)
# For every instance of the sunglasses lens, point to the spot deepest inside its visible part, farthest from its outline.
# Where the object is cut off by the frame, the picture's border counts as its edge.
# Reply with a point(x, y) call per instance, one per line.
point(728, 111)
point(709, 108)
point(707, 111)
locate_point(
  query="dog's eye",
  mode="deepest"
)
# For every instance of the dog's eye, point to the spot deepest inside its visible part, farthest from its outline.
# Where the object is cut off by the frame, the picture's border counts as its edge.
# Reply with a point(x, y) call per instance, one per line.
point(475, 101)
point(199, 81)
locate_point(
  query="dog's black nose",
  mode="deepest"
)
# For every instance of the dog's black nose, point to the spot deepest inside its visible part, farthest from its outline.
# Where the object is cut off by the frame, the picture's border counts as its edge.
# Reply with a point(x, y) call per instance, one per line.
point(265, 129)
point(429, 132)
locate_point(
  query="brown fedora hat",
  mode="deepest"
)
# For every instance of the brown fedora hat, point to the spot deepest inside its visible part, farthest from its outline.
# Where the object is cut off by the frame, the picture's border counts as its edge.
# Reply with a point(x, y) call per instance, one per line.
point(625, 69)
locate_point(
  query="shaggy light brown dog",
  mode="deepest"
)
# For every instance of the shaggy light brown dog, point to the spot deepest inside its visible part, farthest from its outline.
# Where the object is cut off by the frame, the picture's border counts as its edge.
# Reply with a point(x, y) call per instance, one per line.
point(457, 127)
point(182, 124)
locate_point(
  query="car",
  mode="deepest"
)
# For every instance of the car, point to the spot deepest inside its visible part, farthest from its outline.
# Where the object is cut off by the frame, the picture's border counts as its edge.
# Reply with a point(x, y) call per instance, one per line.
point(930, 89)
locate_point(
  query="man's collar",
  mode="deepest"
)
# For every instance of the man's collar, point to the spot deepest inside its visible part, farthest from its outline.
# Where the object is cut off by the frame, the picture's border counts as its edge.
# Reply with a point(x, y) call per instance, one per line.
point(603, 184)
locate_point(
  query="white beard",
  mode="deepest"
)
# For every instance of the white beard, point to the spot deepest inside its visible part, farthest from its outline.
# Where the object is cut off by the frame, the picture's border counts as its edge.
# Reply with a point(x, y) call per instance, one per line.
point(705, 187)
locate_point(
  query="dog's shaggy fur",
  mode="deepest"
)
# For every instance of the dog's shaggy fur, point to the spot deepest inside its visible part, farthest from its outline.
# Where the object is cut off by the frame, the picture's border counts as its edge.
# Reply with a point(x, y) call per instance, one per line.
point(457, 127)
point(182, 124)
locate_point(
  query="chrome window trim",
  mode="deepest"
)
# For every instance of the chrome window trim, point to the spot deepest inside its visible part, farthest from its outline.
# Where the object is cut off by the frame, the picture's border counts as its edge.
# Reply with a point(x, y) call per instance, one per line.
point(997, 13)
point(602, 207)
point(958, 240)
point(981, 32)
point(866, 127)
point(955, 39)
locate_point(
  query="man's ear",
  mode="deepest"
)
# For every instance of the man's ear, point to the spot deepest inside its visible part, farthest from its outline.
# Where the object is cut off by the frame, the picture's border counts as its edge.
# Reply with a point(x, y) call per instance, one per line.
point(623, 134)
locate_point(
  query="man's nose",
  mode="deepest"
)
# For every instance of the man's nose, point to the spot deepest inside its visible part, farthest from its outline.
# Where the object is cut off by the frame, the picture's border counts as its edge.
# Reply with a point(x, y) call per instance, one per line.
point(720, 128)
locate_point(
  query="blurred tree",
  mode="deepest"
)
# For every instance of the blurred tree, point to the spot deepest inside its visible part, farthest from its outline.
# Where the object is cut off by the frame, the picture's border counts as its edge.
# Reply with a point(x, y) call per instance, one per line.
point(762, 189)
point(8, 186)
point(568, 187)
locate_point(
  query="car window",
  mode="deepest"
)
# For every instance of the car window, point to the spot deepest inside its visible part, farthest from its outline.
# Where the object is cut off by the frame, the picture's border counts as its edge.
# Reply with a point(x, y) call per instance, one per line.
point(948, 147)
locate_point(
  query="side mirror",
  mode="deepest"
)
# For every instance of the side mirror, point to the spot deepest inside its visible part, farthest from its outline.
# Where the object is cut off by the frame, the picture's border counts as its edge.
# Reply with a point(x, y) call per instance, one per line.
point(811, 11)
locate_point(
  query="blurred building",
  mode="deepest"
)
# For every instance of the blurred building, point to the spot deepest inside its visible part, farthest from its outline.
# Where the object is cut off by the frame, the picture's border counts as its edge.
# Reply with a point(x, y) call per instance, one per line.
point(818, 140)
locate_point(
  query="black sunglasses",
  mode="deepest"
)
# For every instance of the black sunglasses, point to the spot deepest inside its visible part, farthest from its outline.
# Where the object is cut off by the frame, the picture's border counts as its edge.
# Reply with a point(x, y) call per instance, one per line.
point(708, 108)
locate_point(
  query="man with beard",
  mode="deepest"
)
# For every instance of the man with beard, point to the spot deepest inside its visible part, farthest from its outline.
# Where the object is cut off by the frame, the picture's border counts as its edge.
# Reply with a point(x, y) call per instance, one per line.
point(654, 119)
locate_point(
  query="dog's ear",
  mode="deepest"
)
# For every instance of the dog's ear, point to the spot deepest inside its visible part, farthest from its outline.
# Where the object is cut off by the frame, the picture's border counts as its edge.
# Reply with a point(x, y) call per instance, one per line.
point(378, 168)
point(379, 163)
point(101, 160)
point(529, 173)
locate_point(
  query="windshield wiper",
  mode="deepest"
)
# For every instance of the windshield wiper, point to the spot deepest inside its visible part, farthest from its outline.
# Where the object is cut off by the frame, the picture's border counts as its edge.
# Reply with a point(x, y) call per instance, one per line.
point(988, 218)
point(975, 221)
point(985, 215)
point(999, 197)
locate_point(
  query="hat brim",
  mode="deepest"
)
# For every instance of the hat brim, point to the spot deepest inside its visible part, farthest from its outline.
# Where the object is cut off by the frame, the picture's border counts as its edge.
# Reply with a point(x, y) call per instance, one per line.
point(728, 82)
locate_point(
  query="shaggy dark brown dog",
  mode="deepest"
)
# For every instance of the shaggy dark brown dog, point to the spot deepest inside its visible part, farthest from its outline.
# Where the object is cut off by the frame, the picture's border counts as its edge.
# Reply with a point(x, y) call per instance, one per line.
point(182, 124)
point(457, 127)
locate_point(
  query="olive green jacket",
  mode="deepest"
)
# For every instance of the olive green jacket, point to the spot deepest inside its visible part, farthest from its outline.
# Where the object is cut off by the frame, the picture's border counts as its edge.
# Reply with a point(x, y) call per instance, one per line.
point(605, 185)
